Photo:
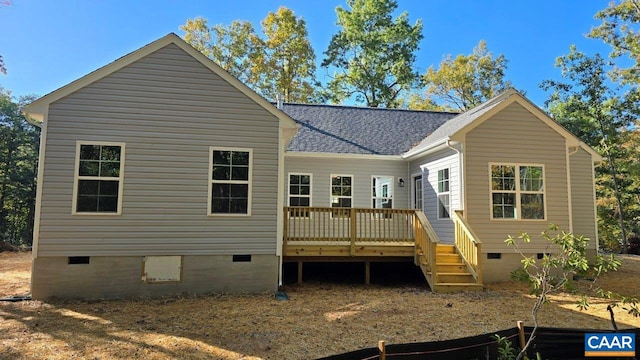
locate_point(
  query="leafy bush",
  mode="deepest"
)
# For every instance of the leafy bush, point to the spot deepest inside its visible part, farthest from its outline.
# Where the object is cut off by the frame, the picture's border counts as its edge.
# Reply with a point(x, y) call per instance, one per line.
point(564, 257)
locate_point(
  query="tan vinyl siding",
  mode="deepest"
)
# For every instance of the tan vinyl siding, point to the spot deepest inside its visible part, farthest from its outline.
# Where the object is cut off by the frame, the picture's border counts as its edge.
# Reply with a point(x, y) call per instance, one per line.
point(529, 141)
point(169, 109)
point(360, 169)
point(434, 162)
point(582, 196)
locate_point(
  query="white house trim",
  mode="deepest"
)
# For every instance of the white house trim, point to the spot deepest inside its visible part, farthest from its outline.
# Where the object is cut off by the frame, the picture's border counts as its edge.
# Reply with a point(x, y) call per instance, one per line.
point(249, 182)
point(76, 178)
point(40, 181)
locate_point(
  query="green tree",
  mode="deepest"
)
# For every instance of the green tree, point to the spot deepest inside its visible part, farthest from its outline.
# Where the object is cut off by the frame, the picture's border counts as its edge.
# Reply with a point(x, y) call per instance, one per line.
point(620, 28)
point(18, 168)
point(281, 61)
point(465, 81)
point(602, 117)
point(233, 47)
point(287, 63)
point(373, 54)
point(416, 101)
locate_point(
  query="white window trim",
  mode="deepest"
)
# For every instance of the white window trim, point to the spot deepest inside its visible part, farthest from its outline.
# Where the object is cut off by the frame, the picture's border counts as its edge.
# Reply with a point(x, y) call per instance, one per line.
point(309, 214)
point(331, 176)
point(249, 182)
point(77, 177)
point(310, 175)
point(392, 189)
point(438, 193)
point(518, 192)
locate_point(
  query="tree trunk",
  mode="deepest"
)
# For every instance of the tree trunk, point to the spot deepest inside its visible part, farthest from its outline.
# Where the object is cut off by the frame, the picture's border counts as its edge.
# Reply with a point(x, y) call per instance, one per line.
point(616, 189)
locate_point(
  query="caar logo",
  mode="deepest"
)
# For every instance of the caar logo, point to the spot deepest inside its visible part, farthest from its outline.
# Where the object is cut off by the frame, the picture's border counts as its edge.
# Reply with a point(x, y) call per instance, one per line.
point(601, 344)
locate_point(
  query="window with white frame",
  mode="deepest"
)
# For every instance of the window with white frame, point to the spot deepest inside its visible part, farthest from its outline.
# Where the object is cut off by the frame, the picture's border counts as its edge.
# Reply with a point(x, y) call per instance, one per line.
point(417, 192)
point(341, 193)
point(382, 192)
point(99, 174)
point(230, 181)
point(444, 196)
point(517, 191)
point(300, 193)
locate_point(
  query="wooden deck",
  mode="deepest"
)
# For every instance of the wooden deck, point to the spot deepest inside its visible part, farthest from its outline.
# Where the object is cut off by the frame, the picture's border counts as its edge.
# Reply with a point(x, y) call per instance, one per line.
point(348, 232)
point(325, 234)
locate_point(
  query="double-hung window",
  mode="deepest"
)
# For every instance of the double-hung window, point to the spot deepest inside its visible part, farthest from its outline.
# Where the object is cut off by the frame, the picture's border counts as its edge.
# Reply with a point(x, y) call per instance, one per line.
point(341, 193)
point(230, 181)
point(444, 196)
point(517, 192)
point(300, 193)
point(99, 173)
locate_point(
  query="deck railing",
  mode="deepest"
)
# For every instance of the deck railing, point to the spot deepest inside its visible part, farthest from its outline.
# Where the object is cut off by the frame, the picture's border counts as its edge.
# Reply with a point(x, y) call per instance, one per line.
point(468, 244)
point(327, 226)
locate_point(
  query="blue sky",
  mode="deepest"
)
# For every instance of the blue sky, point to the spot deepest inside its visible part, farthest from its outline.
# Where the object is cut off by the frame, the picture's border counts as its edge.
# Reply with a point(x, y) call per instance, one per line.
point(47, 44)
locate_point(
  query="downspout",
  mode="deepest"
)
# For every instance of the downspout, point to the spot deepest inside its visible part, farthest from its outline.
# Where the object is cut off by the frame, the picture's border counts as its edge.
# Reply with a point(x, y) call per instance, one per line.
point(280, 205)
point(409, 185)
point(457, 147)
point(285, 135)
point(280, 194)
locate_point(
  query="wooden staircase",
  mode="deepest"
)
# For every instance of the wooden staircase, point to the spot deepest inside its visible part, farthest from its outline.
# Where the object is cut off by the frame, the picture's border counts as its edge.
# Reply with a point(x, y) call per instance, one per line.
point(450, 273)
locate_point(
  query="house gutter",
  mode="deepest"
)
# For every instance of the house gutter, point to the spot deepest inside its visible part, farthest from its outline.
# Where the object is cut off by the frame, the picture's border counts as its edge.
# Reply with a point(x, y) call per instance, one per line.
point(436, 146)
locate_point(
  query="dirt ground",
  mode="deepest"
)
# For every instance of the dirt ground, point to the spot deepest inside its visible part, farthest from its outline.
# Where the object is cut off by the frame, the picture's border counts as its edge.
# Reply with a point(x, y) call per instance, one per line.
point(321, 318)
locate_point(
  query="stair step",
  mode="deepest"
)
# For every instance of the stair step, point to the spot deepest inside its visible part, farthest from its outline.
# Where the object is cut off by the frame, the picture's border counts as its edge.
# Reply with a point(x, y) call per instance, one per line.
point(445, 249)
point(450, 271)
point(456, 278)
point(451, 267)
point(448, 258)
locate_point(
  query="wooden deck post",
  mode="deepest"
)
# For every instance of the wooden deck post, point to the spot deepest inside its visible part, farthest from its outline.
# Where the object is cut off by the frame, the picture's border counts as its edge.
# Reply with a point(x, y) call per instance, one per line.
point(367, 272)
point(285, 230)
point(299, 271)
point(354, 232)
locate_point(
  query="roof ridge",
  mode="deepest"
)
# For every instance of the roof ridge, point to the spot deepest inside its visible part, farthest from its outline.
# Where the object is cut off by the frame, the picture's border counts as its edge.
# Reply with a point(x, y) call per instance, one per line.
point(370, 108)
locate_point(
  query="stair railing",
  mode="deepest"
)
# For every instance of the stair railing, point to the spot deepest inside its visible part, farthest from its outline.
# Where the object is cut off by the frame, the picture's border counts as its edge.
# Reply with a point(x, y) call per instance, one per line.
point(469, 245)
point(426, 243)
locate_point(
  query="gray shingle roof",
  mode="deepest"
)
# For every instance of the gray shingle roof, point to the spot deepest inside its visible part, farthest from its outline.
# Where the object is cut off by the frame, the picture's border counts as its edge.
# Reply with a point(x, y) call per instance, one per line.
point(360, 130)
